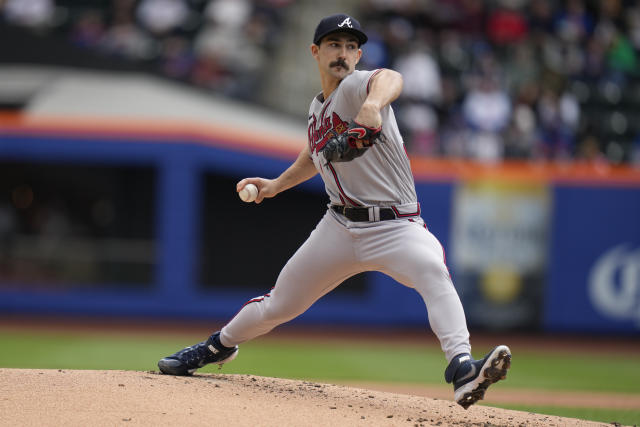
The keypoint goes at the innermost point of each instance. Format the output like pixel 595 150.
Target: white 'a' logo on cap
pixel 347 22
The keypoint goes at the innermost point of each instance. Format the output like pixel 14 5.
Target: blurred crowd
pixel 217 44
pixel 527 79
pixel 484 79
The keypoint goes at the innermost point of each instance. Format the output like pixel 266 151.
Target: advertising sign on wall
pixel 594 276
pixel 499 251
pixel 613 284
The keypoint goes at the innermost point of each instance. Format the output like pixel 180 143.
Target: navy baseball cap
pixel 339 22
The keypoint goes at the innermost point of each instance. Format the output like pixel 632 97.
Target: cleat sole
pixel 496 371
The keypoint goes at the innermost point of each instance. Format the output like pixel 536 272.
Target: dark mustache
pixel 339 62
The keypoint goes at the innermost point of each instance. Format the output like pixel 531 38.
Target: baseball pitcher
pixel 372 222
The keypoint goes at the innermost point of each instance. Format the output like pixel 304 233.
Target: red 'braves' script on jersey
pixel 321 130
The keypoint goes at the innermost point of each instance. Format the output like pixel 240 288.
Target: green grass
pixel 625 417
pixel 334 361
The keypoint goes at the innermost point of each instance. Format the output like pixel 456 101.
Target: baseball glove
pixel 344 147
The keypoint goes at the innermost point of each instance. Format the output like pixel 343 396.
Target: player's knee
pixel 277 311
pixel 433 275
pixel 431 267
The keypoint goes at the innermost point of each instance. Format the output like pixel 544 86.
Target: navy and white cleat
pixel 471 378
pixel 190 359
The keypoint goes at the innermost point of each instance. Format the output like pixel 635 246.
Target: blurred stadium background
pixel 124 126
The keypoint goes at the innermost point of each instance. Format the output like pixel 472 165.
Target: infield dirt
pixel 45 397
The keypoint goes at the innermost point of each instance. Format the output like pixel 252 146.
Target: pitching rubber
pixel 493 370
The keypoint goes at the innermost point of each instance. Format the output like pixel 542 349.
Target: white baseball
pixel 248 193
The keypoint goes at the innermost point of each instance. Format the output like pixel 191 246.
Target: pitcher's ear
pixel 314 48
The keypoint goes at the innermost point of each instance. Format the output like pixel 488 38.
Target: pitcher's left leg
pixel 414 257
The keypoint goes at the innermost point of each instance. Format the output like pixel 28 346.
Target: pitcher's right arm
pixel 301 170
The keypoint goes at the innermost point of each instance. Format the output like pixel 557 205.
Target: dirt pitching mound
pixel 44 397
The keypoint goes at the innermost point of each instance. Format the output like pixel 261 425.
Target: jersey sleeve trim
pixel 371 77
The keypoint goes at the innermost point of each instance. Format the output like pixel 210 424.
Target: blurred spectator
pixel 621 56
pixel 88 30
pixel 229 48
pixel 470 17
pixel 594 63
pixel 573 23
pixel 124 37
pixel 421 94
pixel 507 25
pixel 523 70
pixel 522 134
pixel 454 55
pixel 632 16
pixel 375 52
pixel 162 16
pixel 589 150
pixel 229 15
pixel 487 110
pixel 176 58
pixel 540 17
pixel 558 119
pixel 30 13
pixel 421 74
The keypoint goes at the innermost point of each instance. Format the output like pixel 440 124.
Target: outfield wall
pixel 530 246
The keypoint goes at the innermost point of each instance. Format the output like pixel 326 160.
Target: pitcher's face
pixel 337 54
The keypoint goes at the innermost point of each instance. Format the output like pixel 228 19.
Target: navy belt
pixel 372 213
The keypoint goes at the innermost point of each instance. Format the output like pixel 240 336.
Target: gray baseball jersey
pixel 338 248
pixel 382 176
